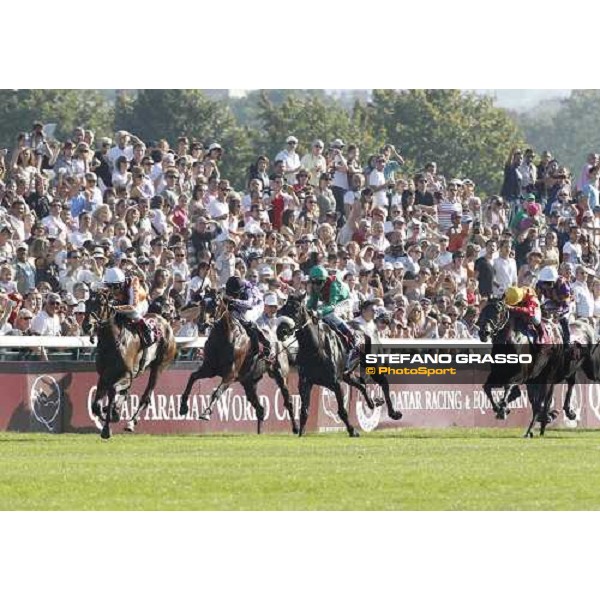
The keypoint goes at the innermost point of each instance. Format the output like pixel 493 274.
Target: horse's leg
pixel 487 388
pixel 122 388
pixel 356 383
pixel 305 388
pixel 547 415
pixel 222 387
pixel 534 400
pixel 342 413
pixel 105 433
pixel 382 381
pixel 285 392
pixel 200 373
pixel 145 399
pixel 569 412
pixel 100 393
pixel 252 397
pixel 513 394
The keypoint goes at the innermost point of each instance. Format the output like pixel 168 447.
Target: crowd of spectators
pixel 420 251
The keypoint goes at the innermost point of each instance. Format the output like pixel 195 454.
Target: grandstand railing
pixel 70 342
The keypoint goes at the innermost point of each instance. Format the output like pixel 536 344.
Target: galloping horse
pixel 229 354
pixel 322 359
pixel 551 364
pixel 120 358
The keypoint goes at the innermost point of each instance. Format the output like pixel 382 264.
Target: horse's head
pixel 97 309
pixel 493 317
pixel 292 315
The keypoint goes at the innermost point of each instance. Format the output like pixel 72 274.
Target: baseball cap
pixel 271 300
pixel 337 143
pixel 266 270
pixel 80 308
pixel 291 138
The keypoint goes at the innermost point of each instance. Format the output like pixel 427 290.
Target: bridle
pixel 503 318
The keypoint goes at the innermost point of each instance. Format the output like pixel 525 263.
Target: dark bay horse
pixel 321 361
pixel 551 363
pixel 120 358
pixel 229 354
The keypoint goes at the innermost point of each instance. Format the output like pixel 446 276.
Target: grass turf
pixel 450 469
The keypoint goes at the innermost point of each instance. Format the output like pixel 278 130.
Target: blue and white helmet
pixel 113 276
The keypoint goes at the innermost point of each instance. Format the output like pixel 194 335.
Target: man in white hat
pixel 314 162
pixel 290 158
pixel 268 320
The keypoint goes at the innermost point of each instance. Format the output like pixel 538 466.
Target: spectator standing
pixel 505 270
pixel 314 162
pixel 290 159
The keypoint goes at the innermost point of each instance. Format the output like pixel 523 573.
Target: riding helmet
pixel 514 295
pixel 114 276
pixel 234 286
pixel 548 274
pixel 318 273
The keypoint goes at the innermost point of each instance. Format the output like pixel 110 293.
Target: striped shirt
pixel 445 210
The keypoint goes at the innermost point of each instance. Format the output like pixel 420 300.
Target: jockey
pixel 330 292
pixel 130 295
pixel 243 297
pixel 524 301
pixel 556 294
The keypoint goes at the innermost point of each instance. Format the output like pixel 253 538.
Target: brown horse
pixel 120 358
pixel 229 354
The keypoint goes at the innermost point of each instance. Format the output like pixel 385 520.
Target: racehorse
pixel 230 354
pixel 322 359
pixel 550 364
pixel 120 358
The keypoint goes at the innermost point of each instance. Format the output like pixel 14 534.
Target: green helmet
pixel 318 273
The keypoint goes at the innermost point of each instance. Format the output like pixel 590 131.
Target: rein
pixel 502 322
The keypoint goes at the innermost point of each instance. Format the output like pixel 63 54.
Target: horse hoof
pixel 554 414
pixel 204 417
pixel 184 409
pixel 354 433
pixel 395 414
pixel 571 415
pixel 501 415
pixel 105 433
pixel 130 428
pixel 379 401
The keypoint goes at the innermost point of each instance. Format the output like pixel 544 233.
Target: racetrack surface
pixel 448 469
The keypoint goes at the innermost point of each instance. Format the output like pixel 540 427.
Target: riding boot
pixel 267 351
pixel 353 352
pixel 145 333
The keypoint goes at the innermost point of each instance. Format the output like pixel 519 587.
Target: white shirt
pixel 574 252
pixel 584 299
pixel 505 274
pixel 291 161
pixel 115 152
pixel 377 178
pixel 44 324
pixel 216 208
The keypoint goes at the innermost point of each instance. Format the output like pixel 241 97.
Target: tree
pixel 570 132
pixel 310 117
pixel 464 133
pixel 157 114
pixel 67 108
